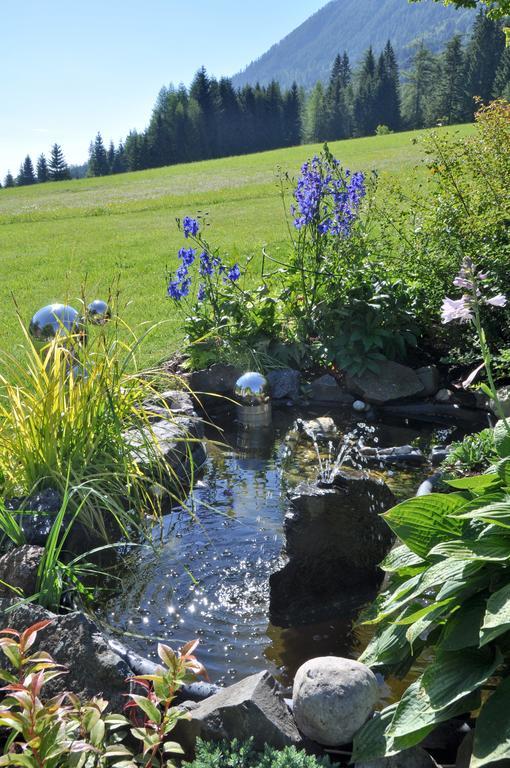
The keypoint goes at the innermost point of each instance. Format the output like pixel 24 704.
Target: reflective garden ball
pixel 55 320
pixel 252 388
pixel 98 312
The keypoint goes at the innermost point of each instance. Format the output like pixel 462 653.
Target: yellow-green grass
pixel 56 237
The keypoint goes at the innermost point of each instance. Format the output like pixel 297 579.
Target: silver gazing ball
pixel 55 320
pixel 98 312
pixel 252 389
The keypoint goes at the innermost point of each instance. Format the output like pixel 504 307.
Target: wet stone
pixel 284 384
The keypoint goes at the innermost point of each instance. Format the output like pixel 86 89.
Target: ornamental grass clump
pixel 65 411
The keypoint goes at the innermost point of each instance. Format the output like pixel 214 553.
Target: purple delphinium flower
pixel 206 265
pixel 187 256
pixel 190 227
pixel 174 290
pixel 201 292
pixel 234 273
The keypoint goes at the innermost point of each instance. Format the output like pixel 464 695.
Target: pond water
pixel 208 575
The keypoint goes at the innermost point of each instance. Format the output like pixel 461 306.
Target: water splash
pixel 348 452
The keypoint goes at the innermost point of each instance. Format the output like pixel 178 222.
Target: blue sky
pixel 73 67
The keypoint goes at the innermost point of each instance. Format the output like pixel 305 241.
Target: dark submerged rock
pixel 18 571
pixel 327 391
pixel 334 542
pixel 284 384
pixel 391 382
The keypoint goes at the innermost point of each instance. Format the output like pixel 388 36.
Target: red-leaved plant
pixel 62 731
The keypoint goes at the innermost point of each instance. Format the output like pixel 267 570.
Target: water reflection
pixel 209 576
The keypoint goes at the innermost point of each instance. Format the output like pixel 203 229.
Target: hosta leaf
pixel 492 733
pixel 402 561
pixel 425 521
pixel 476 483
pixel 497 513
pixel 502 439
pixel 371 741
pixel 423 624
pixel 462 630
pixel 494 548
pixel 434 697
pixel 497 616
pixel 388 647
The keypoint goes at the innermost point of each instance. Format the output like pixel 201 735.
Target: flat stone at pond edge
pixel 410 758
pixel 333 698
pixel 18 569
pixel 251 708
pixel 334 542
pixel 327 390
pixel 392 381
pixel 430 378
pixel 75 641
pixel 219 379
pixel 284 383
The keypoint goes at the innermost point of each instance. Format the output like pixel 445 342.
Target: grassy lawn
pixel 58 237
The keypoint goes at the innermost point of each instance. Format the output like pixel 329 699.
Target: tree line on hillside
pixel 211 119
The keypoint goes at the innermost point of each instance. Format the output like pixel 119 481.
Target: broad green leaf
pixel 502 439
pixel 462 630
pixel 443 686
pixel 497 513
pixel 148 707
pixel 497 616
pixel 371 741
pixel 492 733
pixel 474 578
pixel 493 548
pixel 402 561
pixel 425 521
pixel 388 647
pixel 429 618
pixel 476 483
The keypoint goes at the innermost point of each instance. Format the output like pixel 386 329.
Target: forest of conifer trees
pixel 211 119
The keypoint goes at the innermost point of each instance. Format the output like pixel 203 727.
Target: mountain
pixel 306 54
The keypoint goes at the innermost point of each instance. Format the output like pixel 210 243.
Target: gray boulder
pixel 76 642
pixel 327 390
pixel 18 571
pixel 504 402
pixel 333 698
pixel 391 382
pixel 284 383
pixel 334 542
pixel 219 379
pixel 251 708
pixel 410 758
pixel 430 378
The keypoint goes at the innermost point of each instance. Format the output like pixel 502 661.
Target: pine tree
pixel 26 174
pixel 419 89
pixel 98 159
pixel 450 92
pixel 483 55
pixel 42 169
pixel 120 162
pixel 501 88
pixel 58 170
pixel 9 180
pixel 388 89
pixel 230 136
pixel 111 156
pixel 202 92
pixel 345 71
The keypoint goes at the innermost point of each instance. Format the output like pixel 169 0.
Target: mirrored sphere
pixel 252 389
pixel 54 320
pixel 98 312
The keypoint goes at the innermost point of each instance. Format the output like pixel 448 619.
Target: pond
pixel 208 575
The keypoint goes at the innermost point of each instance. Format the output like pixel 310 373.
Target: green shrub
pixel 236 754
pixel 474 453
pixel 448 595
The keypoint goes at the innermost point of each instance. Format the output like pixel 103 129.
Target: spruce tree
pixel 42 169
pixel 203 93
pixel 58 170
pixel 388 94
pixel 119 163
pixel 501 89
pixel 98 159
pixel 315 125
pixel 292 117
pixel 345 71
pixel 26 174
pixel 365 114
pixel 483 55
pixel 450 92
pixel 419 89
pixel 9 180
pixel 338 118
pixel 111 156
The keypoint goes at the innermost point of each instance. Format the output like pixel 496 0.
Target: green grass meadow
pixel 58 237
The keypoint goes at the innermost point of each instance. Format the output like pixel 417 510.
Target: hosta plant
pixel 63 731
pixel 448 600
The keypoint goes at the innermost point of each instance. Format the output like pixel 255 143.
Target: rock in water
pixel 251 708
pixel 334 542
pixel 391 382
pixel 284 383
pixel 333 698
pixel 18 571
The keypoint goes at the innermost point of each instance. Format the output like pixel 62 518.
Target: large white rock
pixel 332 698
